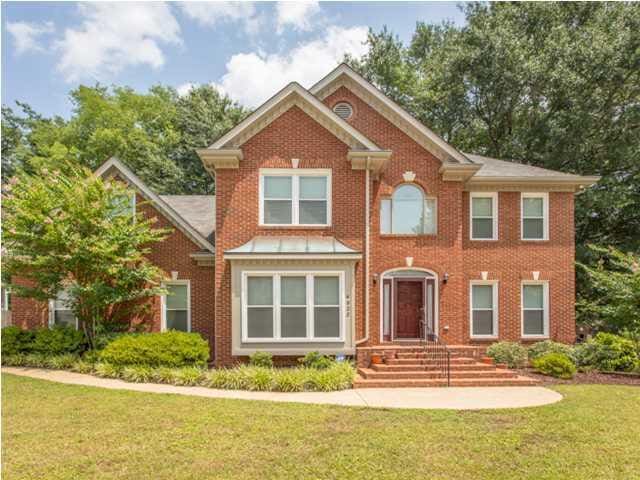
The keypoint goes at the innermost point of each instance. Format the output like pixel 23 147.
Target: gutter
pixel 367 176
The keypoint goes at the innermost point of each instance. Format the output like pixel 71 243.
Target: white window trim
pixel 276 304
pixel 545 212
pixel 494 210
pixel 545 314
pixel 52 313
pixel 295 174
pixel 494 284
pixel 163 304
pixel 6 293
pixel 425 197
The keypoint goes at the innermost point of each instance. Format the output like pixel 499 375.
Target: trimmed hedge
pixel 539 349
pixel 556 365
pixel 46 341
pixel 512 354
pixel 166 349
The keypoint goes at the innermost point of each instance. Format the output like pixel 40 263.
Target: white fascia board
pixel 164 208
pixel 293 88
pixel 344 69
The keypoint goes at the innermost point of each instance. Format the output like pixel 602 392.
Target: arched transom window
pixel 408 212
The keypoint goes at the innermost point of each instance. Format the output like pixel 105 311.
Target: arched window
pixel 408 212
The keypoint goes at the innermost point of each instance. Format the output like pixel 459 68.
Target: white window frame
pixel 494 284
pixel 295 174
pixel 52 314
pixel 494 210
pixel 545 306
pixel 545 213
pixel 276 304
pixel 425 197
pixel 163 304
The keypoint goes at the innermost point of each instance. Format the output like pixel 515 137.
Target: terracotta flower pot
pixel 487 360
pixel 376 359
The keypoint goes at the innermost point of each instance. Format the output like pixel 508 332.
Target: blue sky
pixel 249 50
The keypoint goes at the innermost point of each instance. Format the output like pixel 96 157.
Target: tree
pixel 65 229
pixel 613 300
pixel 154 133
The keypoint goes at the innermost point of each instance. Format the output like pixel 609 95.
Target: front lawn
pixel 57 431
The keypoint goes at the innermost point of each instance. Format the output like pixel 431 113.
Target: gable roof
pixel 199 211
pixel 344 75
pixel 273 108
pixel 114 165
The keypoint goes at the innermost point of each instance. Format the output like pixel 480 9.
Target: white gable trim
pixel 322 89
pixel 113 164
pixel 227 140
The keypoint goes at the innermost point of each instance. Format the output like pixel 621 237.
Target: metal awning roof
pixel 293 247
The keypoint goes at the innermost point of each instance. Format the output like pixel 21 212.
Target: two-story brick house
pixel 342 224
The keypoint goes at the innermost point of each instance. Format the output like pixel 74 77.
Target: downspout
pixel 366 253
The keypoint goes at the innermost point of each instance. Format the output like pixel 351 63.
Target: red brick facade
pixel 450 252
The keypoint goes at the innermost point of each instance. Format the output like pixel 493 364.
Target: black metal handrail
pixel 437 351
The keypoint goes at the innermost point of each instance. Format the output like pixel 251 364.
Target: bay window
pixel 292 306
pixel 295 197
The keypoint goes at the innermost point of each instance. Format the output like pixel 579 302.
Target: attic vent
pixel 343 110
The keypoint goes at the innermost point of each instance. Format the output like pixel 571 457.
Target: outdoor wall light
pixel 445 278
pixel 375 278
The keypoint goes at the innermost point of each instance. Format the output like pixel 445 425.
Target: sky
pixel 249 50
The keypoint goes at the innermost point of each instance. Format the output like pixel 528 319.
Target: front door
pixel 409 303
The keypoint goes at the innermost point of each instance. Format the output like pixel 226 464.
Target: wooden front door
pixel 409 309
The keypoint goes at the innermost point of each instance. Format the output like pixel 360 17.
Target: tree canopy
pixel 154 133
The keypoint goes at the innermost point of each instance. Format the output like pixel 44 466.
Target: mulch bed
pixel 584 378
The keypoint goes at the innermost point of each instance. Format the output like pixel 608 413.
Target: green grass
pixel 55 431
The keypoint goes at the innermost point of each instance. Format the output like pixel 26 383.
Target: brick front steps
pixel 413 368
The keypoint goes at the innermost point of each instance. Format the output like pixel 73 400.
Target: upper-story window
pixel 535 216
pixel 295 197
pixel 123 205
pixel 484 216
pixel 408 212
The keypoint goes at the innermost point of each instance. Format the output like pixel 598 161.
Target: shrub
pixel 170 349
pixel 61 362
pixel 556 365
pixel 223 378
pixel 261 359
pixel 163 375
pixel 35 360
pixel 188 376
pixel 540 349
pixel 106 370
pixel 137 374
pixel 15 340
pixel 512 354
pixel 337 377
pixel 81 366
pixel 58 340
pixel 607 352
pixel 316 360
pixel 290 380
pixel 16 360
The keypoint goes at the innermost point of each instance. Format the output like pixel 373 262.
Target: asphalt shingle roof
pixel 199 211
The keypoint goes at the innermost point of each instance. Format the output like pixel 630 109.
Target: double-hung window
pixel 535 309
pixel 292 306
pixel 484 309
pixel 484 216
pixel 60 313
pixel 176 306
pixel 295 197
pixel 535 216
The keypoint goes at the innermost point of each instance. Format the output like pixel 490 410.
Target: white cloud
pixel 251 78
pixel 25 35
pixel 298 15
pixel 185 88
pixel 113 36
pixel 209 14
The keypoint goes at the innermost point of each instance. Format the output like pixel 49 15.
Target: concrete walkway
pixel 456 398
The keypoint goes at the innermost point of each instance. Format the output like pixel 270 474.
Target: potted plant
pixel 376 359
